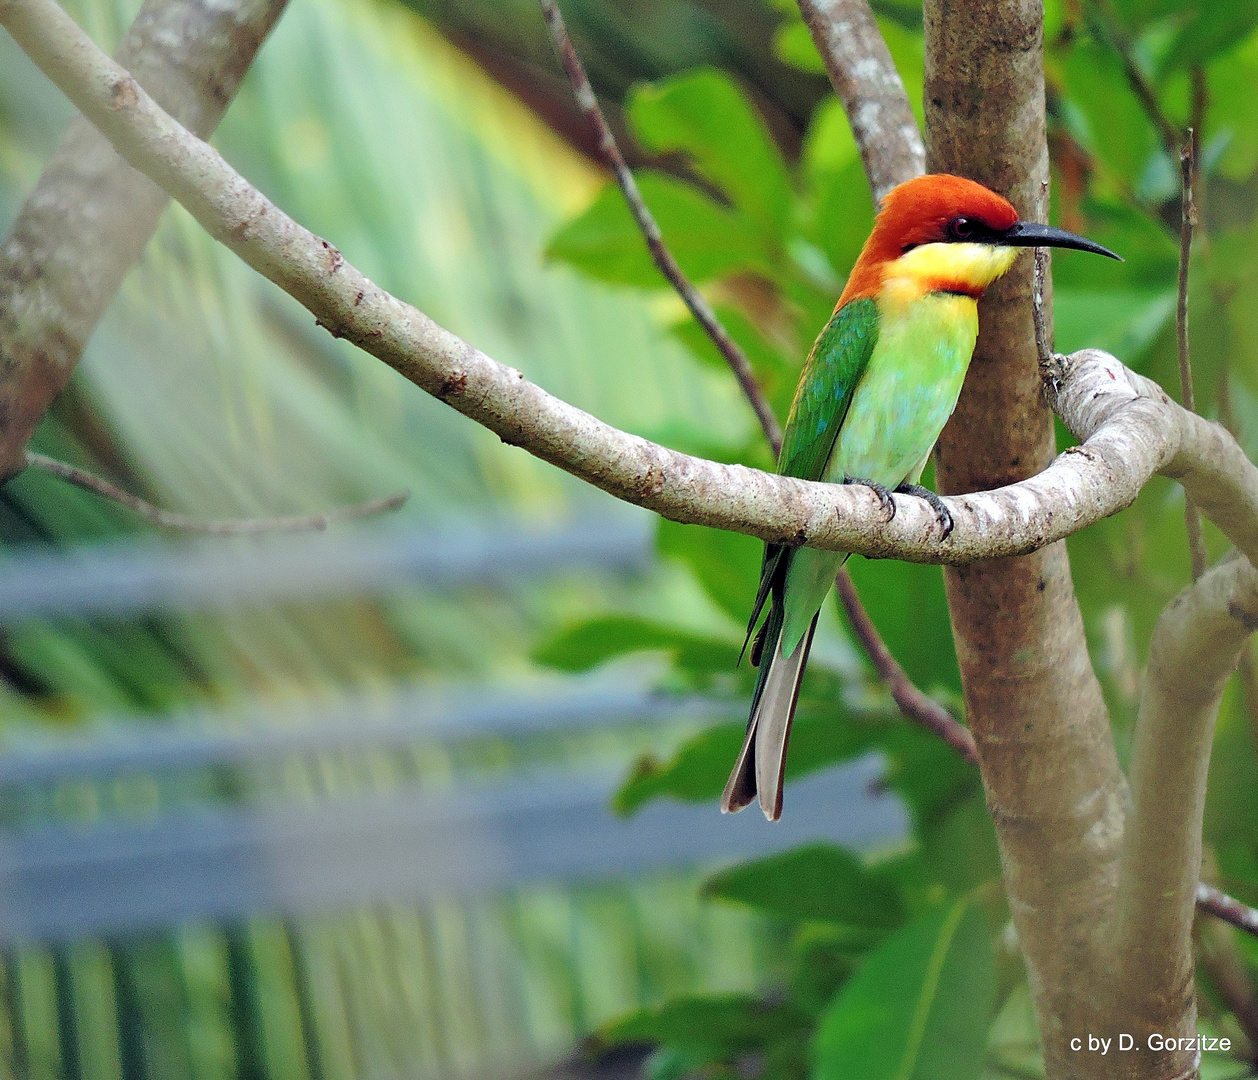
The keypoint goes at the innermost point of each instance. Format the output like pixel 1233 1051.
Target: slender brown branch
pixel 1196 121
pixel 663 258
pixel 170 519
pixel 914 704
pixel 1188 219
pixel 1218 954
pixel 1230 910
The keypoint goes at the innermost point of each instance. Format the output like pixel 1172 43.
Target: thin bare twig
pixel 1196 121
pixel 1218 954
pixel 169 519
pixel 663 258
pixel 914 704
pixel 1188 219
pixel 1227 908
pixel 1043 346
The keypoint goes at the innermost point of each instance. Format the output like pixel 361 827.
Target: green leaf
pixel 819 881
pixel 1120 321
pixel 919 1006
pixel 698 770
pixel 926 772
pixel 1214 28
pixel 845 216
pixel 706 239
pixel 1106 117
pixel 793 45
pixel 590 643
pixel 829 145
pixel 705 115
pixel 726 564
pixel 907 604
pixel 1233 110
pixel 722 1024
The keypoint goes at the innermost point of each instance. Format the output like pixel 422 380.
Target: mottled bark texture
pixel 865 78
pixel 1053 783
pixel 89 217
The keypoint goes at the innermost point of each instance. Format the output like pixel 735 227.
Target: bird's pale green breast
pixel 908 390
pixel 904 396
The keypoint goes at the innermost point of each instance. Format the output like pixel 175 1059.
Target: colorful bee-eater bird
pixel 878 386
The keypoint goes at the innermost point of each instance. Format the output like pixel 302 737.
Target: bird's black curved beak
pixel 1031 234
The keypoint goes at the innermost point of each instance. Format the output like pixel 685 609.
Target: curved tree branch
pixel 864 76
pixel 1130 427
pixel 1194 650
pixel 90 215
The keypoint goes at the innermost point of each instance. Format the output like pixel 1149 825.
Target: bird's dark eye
pixel 961 228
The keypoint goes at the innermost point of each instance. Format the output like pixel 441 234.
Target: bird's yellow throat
pixel 961 268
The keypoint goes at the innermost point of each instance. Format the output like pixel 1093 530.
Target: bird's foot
pixel 883 493
pixel 936 504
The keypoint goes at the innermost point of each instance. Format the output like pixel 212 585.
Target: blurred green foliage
pixel 897 958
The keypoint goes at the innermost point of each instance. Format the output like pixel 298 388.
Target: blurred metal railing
pixel 124 578
pixel 334 852
pixel 61 882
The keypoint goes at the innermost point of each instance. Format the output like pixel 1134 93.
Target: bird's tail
pixel 760 769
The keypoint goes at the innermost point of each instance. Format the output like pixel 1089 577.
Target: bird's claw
pixel 936 504
pixel 883 493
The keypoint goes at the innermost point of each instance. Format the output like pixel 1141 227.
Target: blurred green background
pixel 435 143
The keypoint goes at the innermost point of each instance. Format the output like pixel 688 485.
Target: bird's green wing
pixel 835 365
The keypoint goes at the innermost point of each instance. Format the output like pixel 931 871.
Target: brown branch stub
pixel 662 257
pixel 865 78
pixel 170 519
pixel 1039 274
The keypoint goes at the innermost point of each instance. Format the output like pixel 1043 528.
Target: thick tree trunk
pixel 1053 784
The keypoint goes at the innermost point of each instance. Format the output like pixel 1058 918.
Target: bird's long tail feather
pixel 760 769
